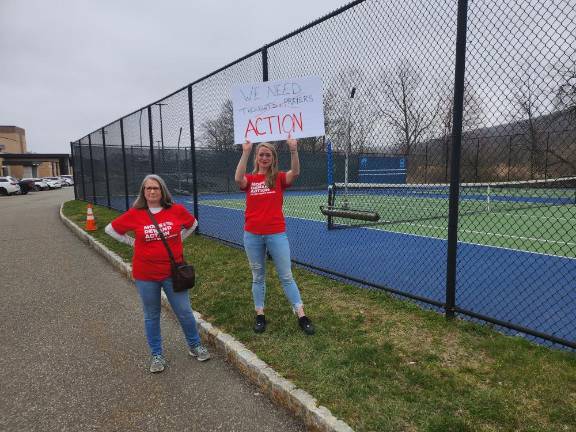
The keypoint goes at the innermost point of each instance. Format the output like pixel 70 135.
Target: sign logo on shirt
pixel 151 234
pixel 260 188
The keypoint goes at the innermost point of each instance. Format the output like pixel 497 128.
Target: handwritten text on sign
pixel 271 110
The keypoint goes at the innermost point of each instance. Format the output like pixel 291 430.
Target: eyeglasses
pixel 152 188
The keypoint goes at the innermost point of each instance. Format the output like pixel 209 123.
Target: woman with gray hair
pixel 151 265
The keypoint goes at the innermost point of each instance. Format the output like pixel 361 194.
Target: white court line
pixel 443 239
pixel 537 217
pixel 495 234
pixel 480 244
pixel 293 217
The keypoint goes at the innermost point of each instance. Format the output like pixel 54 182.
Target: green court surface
pixel 533 226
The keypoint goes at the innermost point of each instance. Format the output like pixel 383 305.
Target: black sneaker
pixel 260 324
pixel 306 325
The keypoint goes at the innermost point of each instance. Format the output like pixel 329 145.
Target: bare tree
pixel 472 114
pixel 404 105
pixel 218 133
pixel 565 102
pixel 531 100
pixel 471 120
pixel 565 97
pixel 528 98
pixel 348 119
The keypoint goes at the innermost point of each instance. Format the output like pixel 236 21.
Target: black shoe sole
pixel 308 331
pixel 259 329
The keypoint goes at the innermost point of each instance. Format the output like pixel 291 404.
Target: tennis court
pixel 513 257
pixel 524 218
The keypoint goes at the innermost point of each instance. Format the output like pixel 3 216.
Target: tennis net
pixel 412 202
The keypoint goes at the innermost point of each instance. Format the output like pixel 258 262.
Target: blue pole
pixel 329 163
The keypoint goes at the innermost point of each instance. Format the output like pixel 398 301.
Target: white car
pixel 39 184
pixel 53 182
pixel 68 179
pixel 8 186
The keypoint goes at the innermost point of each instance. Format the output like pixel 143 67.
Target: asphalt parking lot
pixel 74 355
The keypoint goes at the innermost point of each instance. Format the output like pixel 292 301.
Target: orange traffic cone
pixel 90 221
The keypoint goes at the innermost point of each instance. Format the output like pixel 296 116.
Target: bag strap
pixel 172 260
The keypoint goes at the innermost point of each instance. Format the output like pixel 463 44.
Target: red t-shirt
pixel 151 260
pixel 263 205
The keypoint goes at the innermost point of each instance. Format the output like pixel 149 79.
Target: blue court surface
pixel 524 288
pixel 529 289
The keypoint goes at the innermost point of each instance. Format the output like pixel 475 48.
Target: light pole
pixel 160 105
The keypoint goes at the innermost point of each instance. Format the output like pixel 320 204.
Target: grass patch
pixel 379 363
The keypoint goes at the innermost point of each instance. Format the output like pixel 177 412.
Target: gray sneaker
pixel 200 352
pixel 157 363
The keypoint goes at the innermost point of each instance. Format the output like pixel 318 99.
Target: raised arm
pixel 294 161
pixel 240 175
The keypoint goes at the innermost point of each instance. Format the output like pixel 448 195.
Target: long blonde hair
pixel 273 170
pixel 165 201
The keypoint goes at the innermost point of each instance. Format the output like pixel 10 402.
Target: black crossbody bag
pixel 183 274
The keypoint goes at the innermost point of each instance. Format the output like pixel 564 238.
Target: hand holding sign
pixel 268 111
pixel 247 146
pixel 292 144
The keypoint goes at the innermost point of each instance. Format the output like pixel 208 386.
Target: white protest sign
pixel 269 111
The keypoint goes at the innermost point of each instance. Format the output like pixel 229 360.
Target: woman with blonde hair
pixel 151 265
pixel 265 227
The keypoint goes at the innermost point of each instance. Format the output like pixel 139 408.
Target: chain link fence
pixel 449 172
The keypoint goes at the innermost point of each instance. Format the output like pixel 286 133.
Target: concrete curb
pixel 280 390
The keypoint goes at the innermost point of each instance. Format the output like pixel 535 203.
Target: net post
pixel 330 180
pixel 329 163
pixel 330 204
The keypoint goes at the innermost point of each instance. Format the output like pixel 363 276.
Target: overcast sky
pixel 69 67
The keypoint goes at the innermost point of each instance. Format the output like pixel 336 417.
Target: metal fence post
pixel 546 157
pixel 426 163
pixel 106 167
pixel 447 161
pixel 477 159
pixel 193 153
pixel 509 156
pixel 124 164
pixel 92 169
pixel 74 171
pixel 151 139
pixel 265 63
pixel 82 170
pixel 455 160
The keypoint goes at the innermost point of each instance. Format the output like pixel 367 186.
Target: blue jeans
pixel 278 247
pixel 180 302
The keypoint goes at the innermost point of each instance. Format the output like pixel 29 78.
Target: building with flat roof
pixel 12 140
pixel 15 160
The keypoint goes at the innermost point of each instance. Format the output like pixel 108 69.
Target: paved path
pixel 73 351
